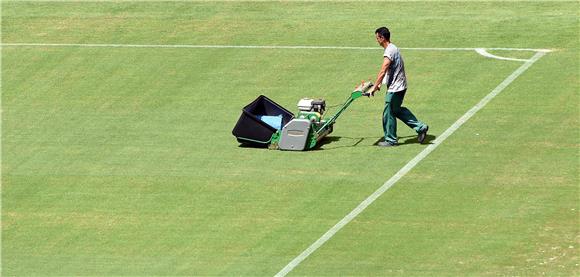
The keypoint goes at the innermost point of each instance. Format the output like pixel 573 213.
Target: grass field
pixel 120 161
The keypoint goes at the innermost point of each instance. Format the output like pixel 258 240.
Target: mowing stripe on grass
pixel 257 1
pixel 410 165
pixel 377 48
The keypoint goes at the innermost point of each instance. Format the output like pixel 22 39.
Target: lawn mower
pixel 264 123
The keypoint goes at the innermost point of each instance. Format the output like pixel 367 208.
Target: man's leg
pixel 407 116
pixel 389 119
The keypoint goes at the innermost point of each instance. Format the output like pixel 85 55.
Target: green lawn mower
pixel 264 123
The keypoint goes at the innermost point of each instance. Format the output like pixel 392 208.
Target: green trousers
pixel 392 111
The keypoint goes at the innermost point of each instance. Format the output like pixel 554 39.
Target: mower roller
pixel 263 118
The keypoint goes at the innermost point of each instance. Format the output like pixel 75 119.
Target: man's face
pixel 380 39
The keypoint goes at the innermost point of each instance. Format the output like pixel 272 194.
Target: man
pixel 392 74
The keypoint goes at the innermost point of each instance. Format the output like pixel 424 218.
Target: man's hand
pixel 376 87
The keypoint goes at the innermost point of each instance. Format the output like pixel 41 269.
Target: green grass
pixel 120 161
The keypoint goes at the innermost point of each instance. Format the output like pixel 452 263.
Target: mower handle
pixel 365 88
pixel 361 90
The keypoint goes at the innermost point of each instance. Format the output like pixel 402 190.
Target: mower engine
pixel 302 132
pixel 312 105
pixel 311 109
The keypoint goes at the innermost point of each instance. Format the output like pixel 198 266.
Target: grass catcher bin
pixel 258 123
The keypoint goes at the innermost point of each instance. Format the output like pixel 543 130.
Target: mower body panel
pixel 295 135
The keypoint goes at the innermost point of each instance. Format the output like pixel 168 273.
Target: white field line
pixel 257 47
pixel 410 165
pixel 484 53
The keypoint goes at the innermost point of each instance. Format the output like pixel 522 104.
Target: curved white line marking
pixel 483 52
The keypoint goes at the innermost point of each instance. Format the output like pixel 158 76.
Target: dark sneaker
pixel 422 134
pixel 386 144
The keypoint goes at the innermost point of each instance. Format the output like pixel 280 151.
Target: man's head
pixel 383 36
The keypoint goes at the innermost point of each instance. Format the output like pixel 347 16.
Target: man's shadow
pixel 411 140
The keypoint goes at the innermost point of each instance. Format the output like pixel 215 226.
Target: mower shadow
pixel 331 139
pixel 357 141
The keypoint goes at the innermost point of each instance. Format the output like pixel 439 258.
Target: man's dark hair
pixel 384 32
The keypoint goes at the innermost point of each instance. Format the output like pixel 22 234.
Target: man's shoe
pixel 386 144
pixel 423 134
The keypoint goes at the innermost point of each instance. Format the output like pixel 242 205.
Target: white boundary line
pixel 410 165
pixel 484 53
pixel 258 47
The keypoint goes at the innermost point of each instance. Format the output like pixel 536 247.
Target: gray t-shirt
pixel 395 78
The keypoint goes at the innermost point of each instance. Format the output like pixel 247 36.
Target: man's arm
pixel 381 75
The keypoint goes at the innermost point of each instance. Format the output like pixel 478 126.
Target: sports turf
pixel 120 161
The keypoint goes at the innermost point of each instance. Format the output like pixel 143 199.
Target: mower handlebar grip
pixel 364 88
